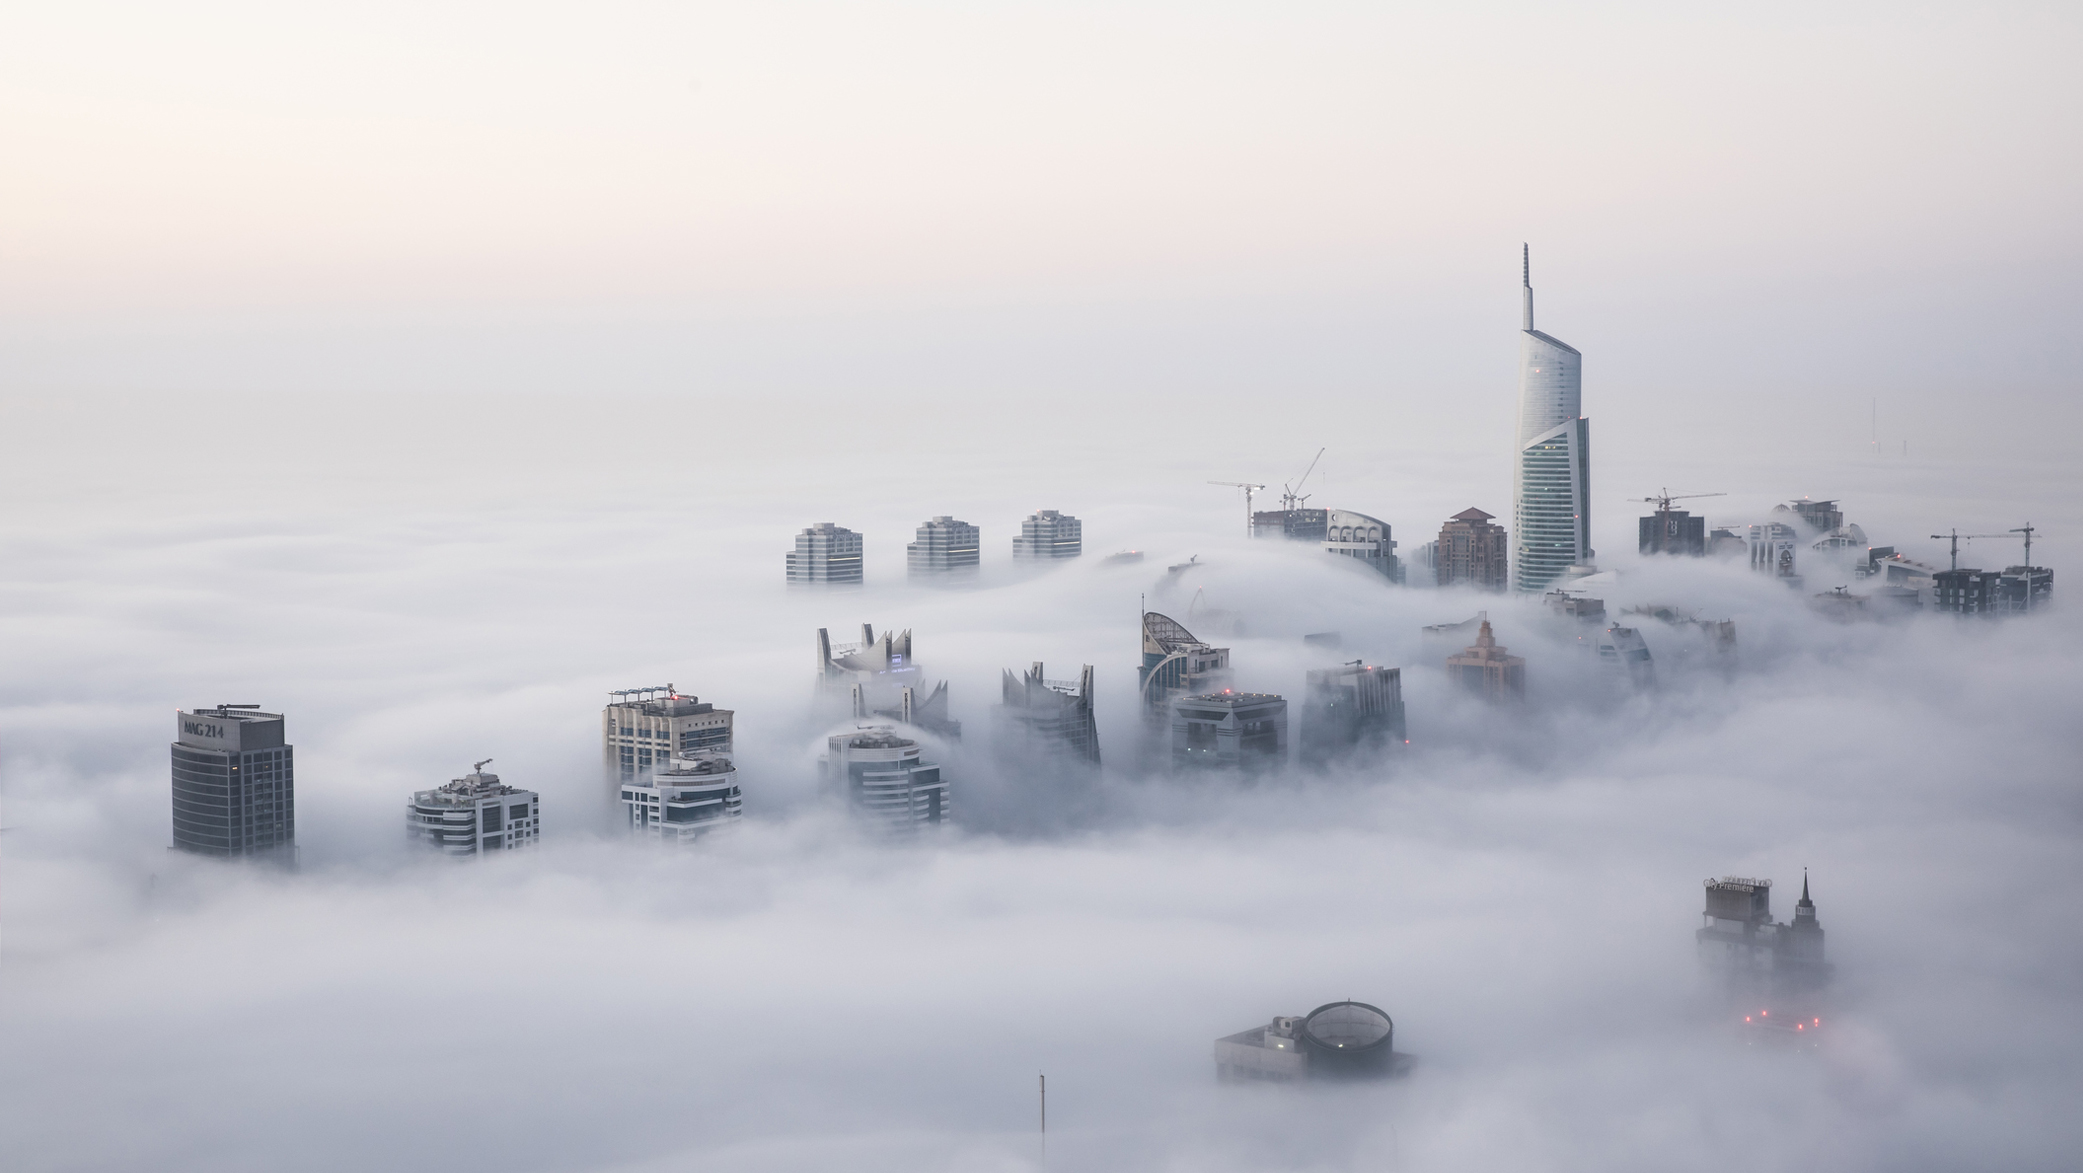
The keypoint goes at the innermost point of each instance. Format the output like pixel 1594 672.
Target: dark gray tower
pixel 234 783
pixel 1801 949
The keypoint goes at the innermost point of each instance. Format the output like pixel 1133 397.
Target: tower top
pixel 1526 283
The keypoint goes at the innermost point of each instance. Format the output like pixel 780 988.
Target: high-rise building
pixel 2024 588
pixel 1229 730
pixel 1356 535
pixel 684 799
pixel 1471 552
pixel 885 781
pixel 644 728
pixel 1772 550
pixel 1823 517
pixel 475 814
pixel 1674 531
pixel 234 784
pixel 1740 935
pixel 1965 591
pixel 1343 532
pixel 1551 491
pixel 1048 720
pixel 1487 671
pixel 879 678
pixel 825 553
pixel 1175 664
pixel 945 547
pixel 1353 707
pixel 1339 1040
pixel 1049 534
pixel 1625 657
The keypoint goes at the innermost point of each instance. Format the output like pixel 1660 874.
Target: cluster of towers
pixel 946 548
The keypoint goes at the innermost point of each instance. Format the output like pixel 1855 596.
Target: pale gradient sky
pixel 1762 205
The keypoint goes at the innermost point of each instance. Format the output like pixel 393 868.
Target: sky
pixel 425 372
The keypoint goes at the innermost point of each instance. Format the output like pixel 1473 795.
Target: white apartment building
pixel 475 814
pixel 684 800
pixel 885 781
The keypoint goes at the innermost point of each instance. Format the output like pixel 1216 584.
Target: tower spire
pixel 1526 279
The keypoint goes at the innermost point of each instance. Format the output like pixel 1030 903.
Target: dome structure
pixel 1348 1038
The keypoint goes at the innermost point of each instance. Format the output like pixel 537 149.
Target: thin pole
pixel 1045 1118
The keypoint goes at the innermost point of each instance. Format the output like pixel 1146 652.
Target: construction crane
pixel 1663 500
pixel 2027 529
pixel 1249 489
pixel 1288 499
pixel 1957 536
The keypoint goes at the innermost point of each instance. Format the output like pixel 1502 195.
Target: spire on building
pixel 1526 279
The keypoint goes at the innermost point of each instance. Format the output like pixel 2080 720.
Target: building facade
pixel 945 548
pixel 1966 592
pixel 1229 730
pixel 1624 655
pixel 1338 1040
pixel 1048 720
pixel 2024 588
pixel 825 553
pixel 1175 664
pixel 1674 531
pixel 1351 708
pixel 234 784
pixel 642 729
pixel 1049 534
pixel 1771 547
pixel 474 816
pixel 1487 671
pixel 1551 491
pixel 885 781
pixel 1472 551
pixel 881 678
pixel 1355 535
pixel 684 799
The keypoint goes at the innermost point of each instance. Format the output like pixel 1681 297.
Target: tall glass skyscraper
pixel 1551 483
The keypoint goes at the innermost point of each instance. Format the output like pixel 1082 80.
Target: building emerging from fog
pixel 1229 730
pixel 1343 532
pixel 1471 551
pixel 1551 491
pixel 885 781
pixel 1048 720
pixel 1674 531
pixel 1338 1040
pixel 1049 534
pixel 1740 936
pixel 945 548
pixel 474 815
pixel 234 784
pixel 1175 664
pixel 825 553
pixel 684 799
pixel 881 679
pixel 1487 671
pixel 1353 708
pixel 644 728
pixel 1625 657
pixel 1772 550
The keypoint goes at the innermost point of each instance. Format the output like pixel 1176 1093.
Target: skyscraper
pixel 1551 489
pixel 1487 671
pixel 1471 550
pixel 885 780
pixel 944 547
pixel 825 553
pixel 1356 706
pixel 1049 534
pixel 1046 722
pixel 1175 664
pixel 475 814
pixel 644 728
pixel 234 783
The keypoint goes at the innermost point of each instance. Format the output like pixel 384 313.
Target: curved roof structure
pixel 1163 635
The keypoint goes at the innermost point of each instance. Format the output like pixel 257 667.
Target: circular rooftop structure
pixel 1348 1038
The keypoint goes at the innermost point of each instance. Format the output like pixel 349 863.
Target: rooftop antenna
pixel 1045 1119
pixel 1288 499
pixel 1249 489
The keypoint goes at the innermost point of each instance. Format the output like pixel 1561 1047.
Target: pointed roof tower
pixel 1526 281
